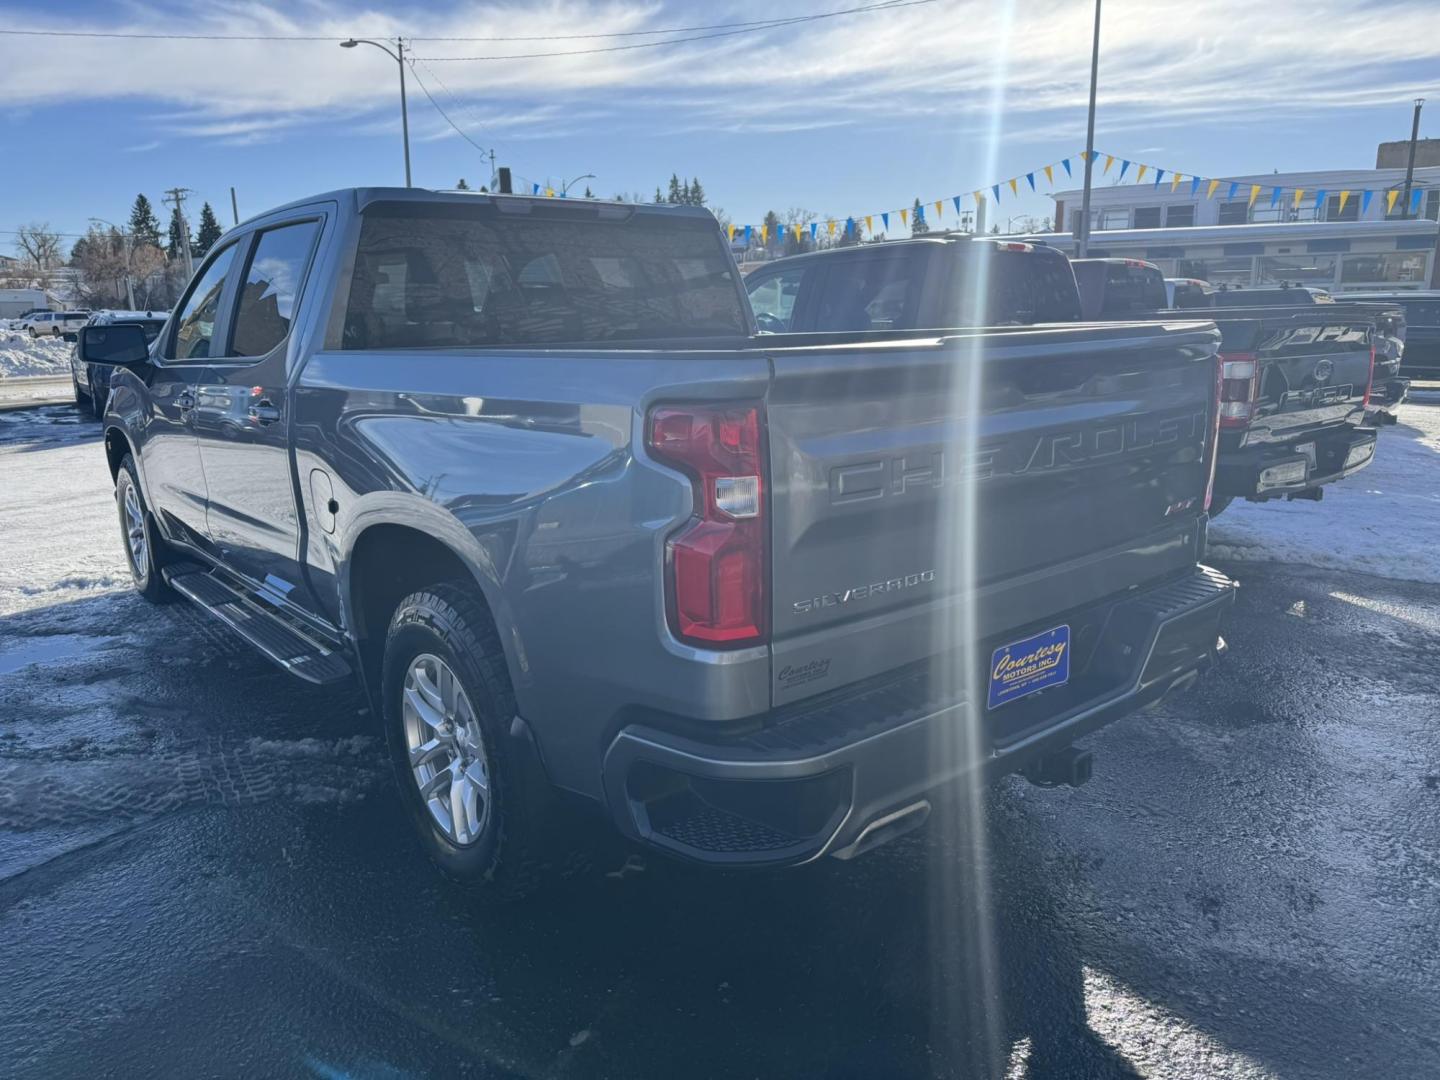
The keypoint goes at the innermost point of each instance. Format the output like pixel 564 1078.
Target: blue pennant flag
pixel 1194 184
pixel 996 189
pixel 1124 167
pixel 956 201
pixel 1234 185
pixel 747 236
pixel 849 226
pixel 814 228
pixel 1415 198
pixel 1066 164
pixel 885 217
pixel 534 189
pixel 1274 196
pixel 1030 178
pixel 919 212
pixel 1320 198
pixel 1158 174
pixel 1365 201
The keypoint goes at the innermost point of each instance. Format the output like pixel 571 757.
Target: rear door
pixel 241 416
pixel 780 297
pixel 1083 449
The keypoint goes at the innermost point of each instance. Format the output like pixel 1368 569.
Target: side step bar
pixel 278 638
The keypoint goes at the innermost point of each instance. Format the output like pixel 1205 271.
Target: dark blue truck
pixel 524 468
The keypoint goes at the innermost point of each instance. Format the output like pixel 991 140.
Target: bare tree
pixel 38 244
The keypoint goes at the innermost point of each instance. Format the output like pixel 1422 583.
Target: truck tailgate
pixel 1028 471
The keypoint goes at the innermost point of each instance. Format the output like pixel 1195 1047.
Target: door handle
pixel 185 401
pixel 264 412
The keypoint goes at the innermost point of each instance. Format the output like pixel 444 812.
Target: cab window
pixel 773 299
pixel 272 282
pixel 195 324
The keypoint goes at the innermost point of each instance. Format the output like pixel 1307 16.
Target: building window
pixel 1221 270
pixel 1180 217
pixel 1432 204
pixel 1234 213
pixel 1114 219
pixel 1147 217
pixel 1268 213
pixel 1298 269
pixel 1334 213
pixel 1390 267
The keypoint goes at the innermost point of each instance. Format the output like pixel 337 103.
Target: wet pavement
pixel 203 871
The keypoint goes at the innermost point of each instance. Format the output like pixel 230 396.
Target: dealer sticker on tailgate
pixel 1023 667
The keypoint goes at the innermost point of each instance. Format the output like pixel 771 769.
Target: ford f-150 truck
pixel 524 467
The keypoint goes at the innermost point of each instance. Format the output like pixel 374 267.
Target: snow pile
pixel 1384 520
pixel 20 354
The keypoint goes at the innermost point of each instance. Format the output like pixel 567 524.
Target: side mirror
pixel 120 345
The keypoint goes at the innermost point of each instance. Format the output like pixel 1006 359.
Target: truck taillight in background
pixel 1212 446
pixel 716 577
pixel 1239 385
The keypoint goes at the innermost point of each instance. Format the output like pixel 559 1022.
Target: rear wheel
pixel 481 814
pixel 145 551
pixel 83 403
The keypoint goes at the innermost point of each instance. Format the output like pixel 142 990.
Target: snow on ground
pixel 1384 520
pixel 20 354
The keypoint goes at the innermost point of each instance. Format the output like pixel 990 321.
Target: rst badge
pixel 1027 666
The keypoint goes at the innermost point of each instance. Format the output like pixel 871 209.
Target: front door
pixel 242 422
pixel 174 479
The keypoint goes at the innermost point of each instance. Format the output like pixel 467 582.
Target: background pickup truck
pixel 1295 381
pixel 522 466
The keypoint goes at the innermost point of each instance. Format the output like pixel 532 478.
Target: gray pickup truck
pixel 525 469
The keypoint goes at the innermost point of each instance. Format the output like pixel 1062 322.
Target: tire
pixel 146 557
pixel 83 403
pixel 507 851
pixel 1218 505
pixel 33 335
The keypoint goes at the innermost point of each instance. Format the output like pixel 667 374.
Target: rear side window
pixel 272 281
pixel 195 325
pixel 453 275
pixel 1132 289
pixel 868 294
pixel 1028 287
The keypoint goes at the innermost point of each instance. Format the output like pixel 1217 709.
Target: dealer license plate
pixel 1029 666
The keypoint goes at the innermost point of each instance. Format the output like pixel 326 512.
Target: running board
pixel 276 637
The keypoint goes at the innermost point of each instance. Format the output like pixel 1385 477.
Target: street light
pixel 125 247
pixel 565 188
pixel 399 58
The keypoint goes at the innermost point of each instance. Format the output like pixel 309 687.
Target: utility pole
pixel 399 57
pixel 234 207
pixel 492 170
pixel 177 194
pixel 1082 241
pixel 1410 166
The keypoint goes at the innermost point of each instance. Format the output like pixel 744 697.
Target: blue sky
pixel 843 116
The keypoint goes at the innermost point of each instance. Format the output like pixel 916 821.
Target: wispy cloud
pixel 1214 60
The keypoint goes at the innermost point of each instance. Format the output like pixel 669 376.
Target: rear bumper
pixel 820 777
pixel 1385 397
pixel 1267 472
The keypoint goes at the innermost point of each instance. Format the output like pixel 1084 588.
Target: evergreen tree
pixel 208 232
pixel 676 195
pixel 773 232
pixel 461 185
pixel 588 193
pixel 175 247
pixel 144 225
pixel 918 224
pixel 697 193
pixel 658 197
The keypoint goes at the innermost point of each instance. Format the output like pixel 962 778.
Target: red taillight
pixel 1370 382
pixel 1212 448
pixel 717 588
pixel 1239 383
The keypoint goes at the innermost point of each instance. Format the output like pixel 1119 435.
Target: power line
pixel 728 28
pixel 446 116
pixel 773 24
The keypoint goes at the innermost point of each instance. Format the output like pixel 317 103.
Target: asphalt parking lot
pixel 203 871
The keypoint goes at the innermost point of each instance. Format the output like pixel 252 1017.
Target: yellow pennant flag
pixel 979 197
pixel 868 227
pixel 904 217
pixel 939 208
pixel 1175 179
pixel 797 233
pixel 1013 189
pixel 1299 194
pixel 764 234
pixel 1344 198
pixel 1050 174
pixel 731 230
pixel 1109 160
pixel 830 227
pixel 550 191
pixel 1390 200
pixel 1141 174
pixel 1254 194
pixel 1210 191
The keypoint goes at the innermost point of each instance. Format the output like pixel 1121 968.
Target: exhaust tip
pixel 886 828
pixel 1069 767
